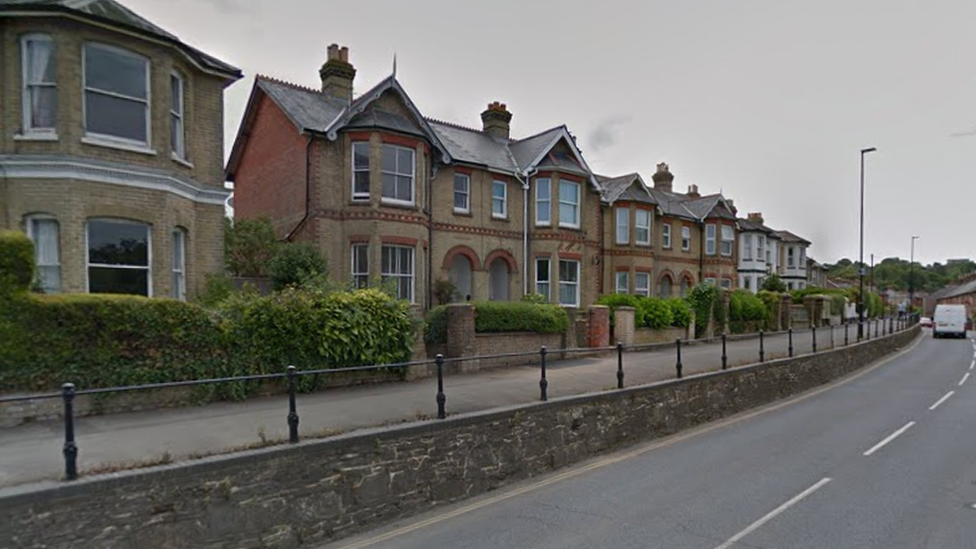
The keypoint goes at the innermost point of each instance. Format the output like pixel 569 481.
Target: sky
pixel 769 102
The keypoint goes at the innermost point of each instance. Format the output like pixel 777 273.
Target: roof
pixel 114 13
pixel 748 225
pixel 528 149
pixel 473 146
pixel 625 187
pixel 967 288
pixel 787 236
pixel 309 109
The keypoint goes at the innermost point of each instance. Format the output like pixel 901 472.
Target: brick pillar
pixel 599 328
pixel 784 311
pixel 723 303
pixel 814 306
pixel 623 325
pixel 460 330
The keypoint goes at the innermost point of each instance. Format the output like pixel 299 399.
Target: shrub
pixel 296 264
pixel 16 262
pixel 534 298
pixel 744 306
pixel 773 283
pixel 517 316
pixel 838 305
pixel 681 313
pixel 618 300
pixel 702 298
pixel 772 301
pixel 435 325
pixel 216 288
pixel 446 291
pixel 653 313
pixel 249 245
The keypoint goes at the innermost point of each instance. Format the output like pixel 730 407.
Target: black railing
pixel 69 392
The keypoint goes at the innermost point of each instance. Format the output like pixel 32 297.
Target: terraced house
pixel 392 196
pixel 111 148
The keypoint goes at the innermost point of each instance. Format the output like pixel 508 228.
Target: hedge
pixel 435 325
pixel 16 262
pixel 519 316
pixel 744 306
pixel 681 313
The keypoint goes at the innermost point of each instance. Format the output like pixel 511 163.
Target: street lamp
pixel 911 278
pixel 860 272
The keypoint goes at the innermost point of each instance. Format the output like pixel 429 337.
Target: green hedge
pixel 681 313
pixel 653 313
pixel 435 325
pixel 16 262
pixel 744 306
pixel 519 316
pixel 703 299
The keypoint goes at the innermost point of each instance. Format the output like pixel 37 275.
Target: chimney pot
pixel 496 120
pixel 344 54
pixel 333 51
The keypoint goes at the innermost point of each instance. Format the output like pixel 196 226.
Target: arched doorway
pixel 665 286
pixel 461 276
pixel 498 280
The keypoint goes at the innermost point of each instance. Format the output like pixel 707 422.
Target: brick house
pixel 111 149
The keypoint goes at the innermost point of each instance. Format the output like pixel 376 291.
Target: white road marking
pixel 972 364
pixel 964 378
pixel 772 514
pixel 941 400
pixel 889 438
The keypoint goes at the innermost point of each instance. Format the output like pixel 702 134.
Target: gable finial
pixel 394 64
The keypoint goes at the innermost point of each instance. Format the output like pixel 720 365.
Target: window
pixel 803 258
pixel 360 170
pixel 569 203
pixel 116 94
pixel 45 233
pixel 665 287
pixel 569 282
pixel 622 282
pixel 666 236
pixel 789 286
pixel 499 199
pixel 760 245
pixel 176 132
pixel 726 282
pixel 642 224
pixel 178 288
pixel 789 257
pixel 686 238
pixel 542 201
pixel 728 240
pixel 710 281
pixel 542 285
pixel 360 265
pixel 623 225
pixel 642 284
pixel 398 171
pixel 118 257
pixel 462 193
pixel 710 239
pixel 746 283
pixel 747 247
pixel 398 268
pixel 40 93
pixel 769 256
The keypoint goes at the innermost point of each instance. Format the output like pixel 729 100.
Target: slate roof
pixel 625 187
pixel 967 288
pixel 749 225
pixel 116 14
pixel 308 109
pixel 527 149
pixel 473 146
pixel 787 236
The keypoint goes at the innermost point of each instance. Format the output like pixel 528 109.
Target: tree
pixel 773 283
pixel 249 245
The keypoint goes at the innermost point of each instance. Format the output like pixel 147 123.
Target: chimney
pixel 496 119
pixel 337 73
pixel 693 191
pixel 663 178
pixel 756 217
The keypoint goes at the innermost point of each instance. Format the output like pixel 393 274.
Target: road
pixel 32 452
pixel 881 460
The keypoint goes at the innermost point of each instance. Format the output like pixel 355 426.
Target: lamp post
pixel 911 278
pixel 860 272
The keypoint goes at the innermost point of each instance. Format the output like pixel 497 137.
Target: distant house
pixel 793 260
pixel 816 274
pixel 758 252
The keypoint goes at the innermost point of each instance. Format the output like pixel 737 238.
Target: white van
pixel 949 320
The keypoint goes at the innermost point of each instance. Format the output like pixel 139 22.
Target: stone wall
pixel 643 336
pixel 321 490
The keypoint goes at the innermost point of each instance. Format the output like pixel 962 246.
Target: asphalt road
pixel 32 452
pixel 882 460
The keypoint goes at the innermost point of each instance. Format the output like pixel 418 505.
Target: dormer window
pixel 116 106
pixel 40 92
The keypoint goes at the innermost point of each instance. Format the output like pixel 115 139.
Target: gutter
pixel 308 188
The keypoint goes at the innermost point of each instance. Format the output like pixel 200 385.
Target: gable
pixel 387 112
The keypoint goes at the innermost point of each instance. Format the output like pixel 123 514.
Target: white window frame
pixel 574 205
pixel 685 238
pixel 547 294
pixel 621 282
pixel 726 283
pixel 503 198
pixel 398 173
pixel 644 228
pixel 645 288
pixel 728 243
pixel 466 192
pixel 178 289
pixel 576 284
pixel 747 283
pixel 666 236
pixel 760 248
pixel 359 195
pixel 543 182
pixel 149 253
pixel 112 139
pixel 353 268
pixel 411 276
pixel 179 148
pixel 710 234
pixel 29 222
pixel 747 247
pixel 710 280
pixel 622 224
pixel 790 257
pixel 27 106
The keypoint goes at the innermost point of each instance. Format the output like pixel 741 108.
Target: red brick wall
pixel 270 180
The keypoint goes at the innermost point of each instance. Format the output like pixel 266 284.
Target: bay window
pixel 569 279
pixel 119 257
pixel 542 201
pixel 642 227
pixel 542 278
pixel 178 286
pixel 569 204
pixel 360 170
pixel 360 265
pixel 728 240
pixel 176 115
pixel 40 89
pixel 398 172
pixel 710 239
pixel 44 231
pixel 747 247
pixel 623 225
pixel 116 84
pixel 398 268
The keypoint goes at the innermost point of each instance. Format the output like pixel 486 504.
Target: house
pixel 793 260
pixel 111 148
pixel 758 251
pixel 816 274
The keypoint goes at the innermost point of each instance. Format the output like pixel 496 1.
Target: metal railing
pixel 69 391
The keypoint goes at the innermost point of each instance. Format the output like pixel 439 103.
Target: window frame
pixel 710 245
pixel 548 281
pixel 547 201
pixel 355 274
pixel 359 196
pixel 790 258
pixel 397 174
pixel 646 227
pixel 467 193
pixel 575 284
pixel 646 291
pixel 181 152
pixel 730 241
pixel 504 199
pixel 178 286
pixel 618 277
pixel 747 247
pixel 617 219
pixel 384 277
pixel 576 205
pixel 726 283
pixel 666 236
pixel 27 126
pixel 149 253
pixel 86 89
pixel 685 238
pixel 761 248
pixel 30 230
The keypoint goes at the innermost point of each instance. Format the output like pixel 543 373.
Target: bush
pixel 838 305
pixel 446 291
pixel 435 325
pixel 534 298
pixel 681 313
pixel 773 283
pixel 772 301
pixel 296 264
pixel 249 245
pixel 16 262
pixel 703 299
pixel 216 288
pixel 517 316
pixel 618 300
pixel 744 306
pixel 653 313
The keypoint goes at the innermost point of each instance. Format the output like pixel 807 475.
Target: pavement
pixel 32 452
pixel 882 459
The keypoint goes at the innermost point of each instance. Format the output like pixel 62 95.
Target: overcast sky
pixel 768 101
